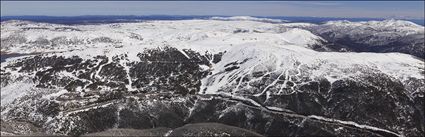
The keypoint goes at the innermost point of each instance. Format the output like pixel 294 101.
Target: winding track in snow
pixel 226 96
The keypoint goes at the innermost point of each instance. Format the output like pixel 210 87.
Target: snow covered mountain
pixel 372 36
pixel 29 37
pixel 249 18
pixel 265 77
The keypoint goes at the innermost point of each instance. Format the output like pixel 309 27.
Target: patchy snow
pixel 14 91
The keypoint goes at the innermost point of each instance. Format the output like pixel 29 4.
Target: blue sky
pixel 228 8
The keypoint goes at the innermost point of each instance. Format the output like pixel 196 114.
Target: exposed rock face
pixel 271 88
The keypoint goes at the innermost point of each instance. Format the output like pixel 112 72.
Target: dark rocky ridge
pixel 211 129
pixel 97 98
pixel 157 132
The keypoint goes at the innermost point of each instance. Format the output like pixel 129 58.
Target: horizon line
pixel 418 18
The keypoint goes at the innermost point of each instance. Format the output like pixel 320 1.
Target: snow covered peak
pixel 395 23
pixel 248 18
pixel 387 22
pixel 302 37
pixel 338 22
pixel 390 24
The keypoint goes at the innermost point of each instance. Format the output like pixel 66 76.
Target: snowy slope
pixel 27 37
pixel 291 61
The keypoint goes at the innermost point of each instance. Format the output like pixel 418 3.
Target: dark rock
pixel 157 132
pixel 212 129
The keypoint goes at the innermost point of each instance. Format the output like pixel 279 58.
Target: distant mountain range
pixel 129 18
